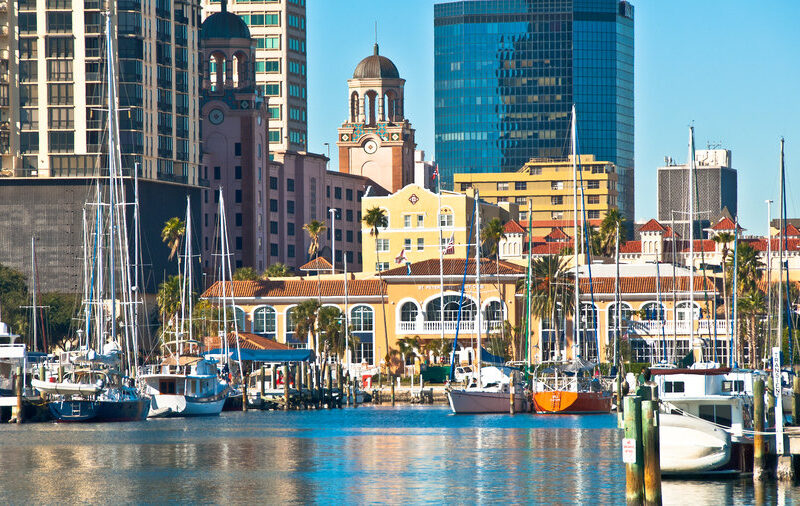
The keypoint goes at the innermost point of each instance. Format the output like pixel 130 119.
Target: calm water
pixel 364 455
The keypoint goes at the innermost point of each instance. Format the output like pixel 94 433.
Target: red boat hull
pixel 562 401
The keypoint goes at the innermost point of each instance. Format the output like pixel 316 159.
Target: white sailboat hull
pixel 170 405
pixel 689 445
pixel 484 400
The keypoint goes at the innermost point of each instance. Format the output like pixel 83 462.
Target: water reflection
pixel 363 455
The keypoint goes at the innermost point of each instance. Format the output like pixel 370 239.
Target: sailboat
pixel 98 388
pixel 492 388
pixel 184 383
pixel 562 390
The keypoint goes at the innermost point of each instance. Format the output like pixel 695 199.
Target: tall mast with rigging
pixel 577 325
pixel 690 164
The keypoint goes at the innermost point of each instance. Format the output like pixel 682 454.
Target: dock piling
pixel 796 401
pixel 19 394
pixel 769 408
pixel 286 387
pixel 510 394
pixel 758 429
pixel 633 451
pixel 652 457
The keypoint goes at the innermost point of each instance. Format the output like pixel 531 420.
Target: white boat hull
pixel 480 400
pixel 170 405
pixel 689 445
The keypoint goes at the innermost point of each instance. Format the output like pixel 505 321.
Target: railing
pixel 450 327
pixel 653 327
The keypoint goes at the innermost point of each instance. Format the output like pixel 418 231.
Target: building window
pixel 59 94
pixel 328 191
pixel 349 236
pixel 273 183
pixel 264 320
pixel 557 215
pixel 557 185
pixel 593 214
pixel 520 185
pixel 337 193
pixel 338 234
pixel 348 193
pixel 273 205
pixel 382 245
pixel 593 184
pixel 523 201
pixel 237 171
pixel 420 244
pixel 290 251
pixel 238 219
pixel 290 184
pixel 290 206
pixel 238 196
pixel 290 229
pixel 407 244
pixel 273 249
pixel 349 214
pixel 593 199
pixel 446 220
pixel 420 220
pixel 556 200
pixel 407 221
pixel 62 142
pixel 238 243
pixel 502 199
pixel 273 227
pixel 501 187
pixel 381 266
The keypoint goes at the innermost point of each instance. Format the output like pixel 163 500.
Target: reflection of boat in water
pixel 492 395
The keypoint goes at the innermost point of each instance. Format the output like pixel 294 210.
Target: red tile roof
pixel 791 231
pixel 631 247
pixel 551 248
pixel 671 233
pixel 760 244
pixel 652 226
pixel 297 288
pixel 455 267
pixel 317 264
pixel 704 245
pixel 512 227
pixel 726 224
pixel 555 223
pixel 645 284
pixel 556 235
pixel 247 341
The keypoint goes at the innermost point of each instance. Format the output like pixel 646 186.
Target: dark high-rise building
pixel 508 71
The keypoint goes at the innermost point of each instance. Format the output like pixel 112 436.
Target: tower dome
pixel 224 25
pixel 376 66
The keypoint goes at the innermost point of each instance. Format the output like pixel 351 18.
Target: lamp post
pixel 328 147
pixel 332 212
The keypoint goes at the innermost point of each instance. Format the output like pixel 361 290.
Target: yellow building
pixel 547 184
pixel 414 217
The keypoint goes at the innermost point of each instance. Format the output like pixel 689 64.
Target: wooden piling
pixel 339 384
pixel 19 378
pixel 758 428
pixel 286 387
pixel 510 394
pixel 634 471
pixel 244 395
pixel 796 401
pixel 652 457
pixel 298 383
pixel 769 408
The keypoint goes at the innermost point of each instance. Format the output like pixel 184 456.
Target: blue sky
pixel 729 67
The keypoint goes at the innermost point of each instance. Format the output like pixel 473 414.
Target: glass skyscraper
pixel 508 71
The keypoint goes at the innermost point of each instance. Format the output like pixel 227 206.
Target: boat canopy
pixel 298 355
pixel 488 358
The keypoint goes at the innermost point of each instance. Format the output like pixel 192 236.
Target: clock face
pixel 216 116
pixel 371 146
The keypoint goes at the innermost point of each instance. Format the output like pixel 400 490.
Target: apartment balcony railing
pixel 701 327
pixel 450 327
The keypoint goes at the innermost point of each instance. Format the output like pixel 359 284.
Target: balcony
pixel 670 327
pixel 450 327
pixel 163 176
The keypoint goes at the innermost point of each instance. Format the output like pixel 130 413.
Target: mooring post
pixel 19 394
pixel 286 386
pixel 652 462
pixel 770 402
pixel 796 401
pixel 339 384
pixel 758 429
pixel 244 395
pixel 60 373
pixel 510 394
pixel 632 451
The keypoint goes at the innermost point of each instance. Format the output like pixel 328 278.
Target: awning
pixel 300 355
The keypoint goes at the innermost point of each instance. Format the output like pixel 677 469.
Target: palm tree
pixel 172 234
pixel 408 346
pixel 724 238
pixel 608 231
pixel 551 290
pixel 751 306
pixel 376 219
pixel 748 272
pixel 305 317
pixel 315 229
pixel 277 270
pixel 168 298
pixel 245 274
pixel 494 232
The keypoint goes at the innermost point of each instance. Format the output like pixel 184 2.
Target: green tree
pixel 278 270
pixel 62 309
pixel 172 234
pixel 608 232
pixel 750 301
pixel 245 274
pixel 408 346
pixel 168 298
pixel 315 229
pixel 551 289
pixel 376 219
pixel 13 295
pixel 724 238
pixel 751 307
pixel 493 232
pixel 207 318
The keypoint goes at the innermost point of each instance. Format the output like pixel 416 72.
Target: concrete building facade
pixel 279 30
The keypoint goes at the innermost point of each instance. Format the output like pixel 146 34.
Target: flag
pixel 450 245
pixel 435 173
pixel 401 257
pixel 408 268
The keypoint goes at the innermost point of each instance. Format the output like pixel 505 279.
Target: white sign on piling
pixel 629 450
pixel 776 382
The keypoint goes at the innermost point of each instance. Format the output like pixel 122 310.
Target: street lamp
pixel 332 212
pixel 328 161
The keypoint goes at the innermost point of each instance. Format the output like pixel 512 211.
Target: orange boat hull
pixel 562 401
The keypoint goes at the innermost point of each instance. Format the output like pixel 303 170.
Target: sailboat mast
pixel 112 141
pixel 441 257
pixel 782 227
pixel 617 310
pixel 229 272
pixel 224 333
pixel 33 277
pixel 577 319
pixel 769 276
pixel 690 163
pixel 189 257
pixel 478 281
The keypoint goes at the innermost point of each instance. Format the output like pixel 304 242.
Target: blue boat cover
pixel 488 358
pixel 300 355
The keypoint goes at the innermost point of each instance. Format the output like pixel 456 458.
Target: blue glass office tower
pixel 508 71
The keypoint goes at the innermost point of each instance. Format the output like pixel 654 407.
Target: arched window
pixel 588 332
pixel 468 309
pixel 409 312
pixel 239 68
pixel 685 312
pixel 362 321
pixel 216 71
pixel 370 105
pixel 354 107
pixel 625 312
pixel 588 316
pixel 446 217
pixel 289 331
pixel 390 106
pixel 652 311
pixel 264 320
pixel 493 312
pixel 241 318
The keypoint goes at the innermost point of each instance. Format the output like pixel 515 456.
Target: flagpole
pixel 441 253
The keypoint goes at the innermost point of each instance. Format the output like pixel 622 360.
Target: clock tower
pixel 377 141
pixel 235 142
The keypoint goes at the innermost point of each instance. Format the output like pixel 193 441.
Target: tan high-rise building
pixel 279 29
pixel 547 185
